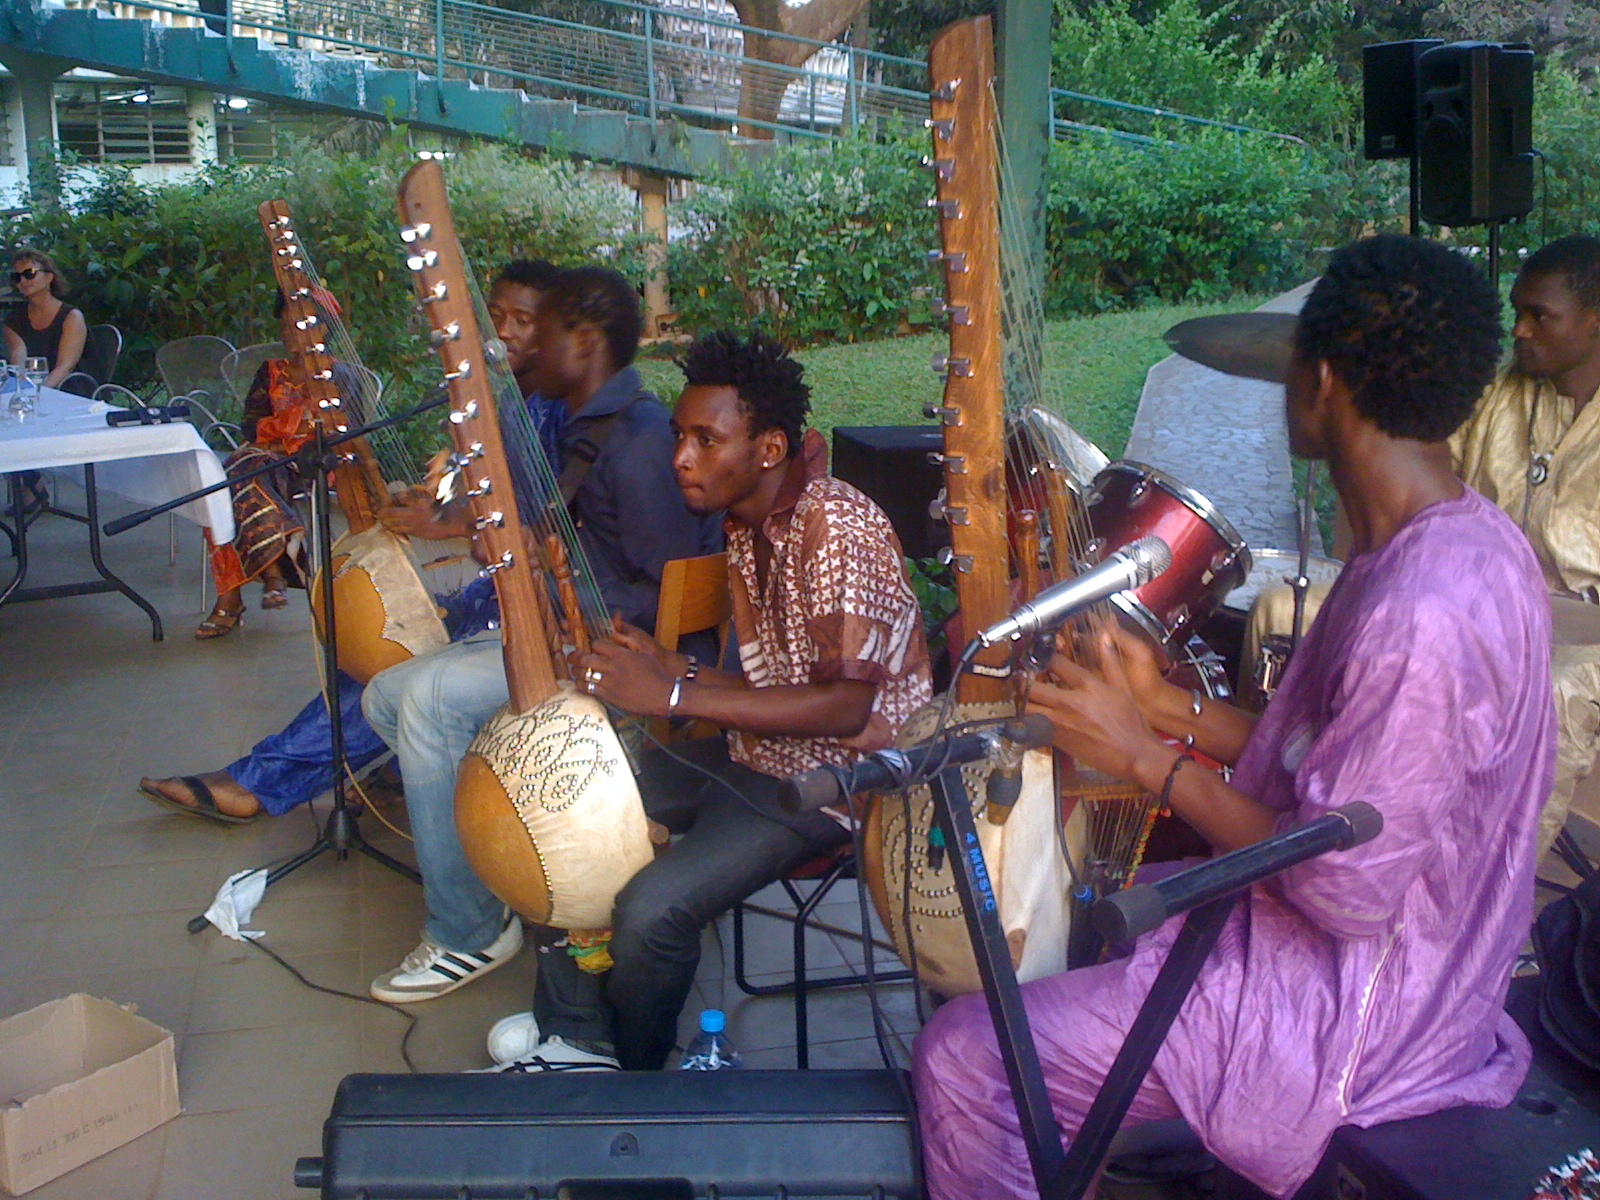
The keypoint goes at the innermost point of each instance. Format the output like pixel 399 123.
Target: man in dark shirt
pixel 617 448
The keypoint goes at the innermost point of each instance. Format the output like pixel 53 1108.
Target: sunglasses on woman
pixel 28 273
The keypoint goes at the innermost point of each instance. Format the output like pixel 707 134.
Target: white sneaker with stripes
pixel 430 971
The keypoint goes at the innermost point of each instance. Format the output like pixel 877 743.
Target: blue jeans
pixel 429 709
pixel 294 766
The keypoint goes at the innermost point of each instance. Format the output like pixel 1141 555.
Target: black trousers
pixel 729 848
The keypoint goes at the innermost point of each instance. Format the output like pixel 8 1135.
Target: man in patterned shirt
pixel 833 660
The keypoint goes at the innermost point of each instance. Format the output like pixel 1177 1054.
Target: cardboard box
pixel 78 1077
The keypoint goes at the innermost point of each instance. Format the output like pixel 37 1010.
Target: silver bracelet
pixel 1195 701
pixel 677 694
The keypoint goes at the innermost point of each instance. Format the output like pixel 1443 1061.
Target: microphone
pixel 890 769
pixel 1135 565
pixel 148 415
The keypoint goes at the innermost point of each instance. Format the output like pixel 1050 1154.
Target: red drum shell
pixel 1130 500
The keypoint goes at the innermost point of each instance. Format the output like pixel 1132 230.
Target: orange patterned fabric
pixel 836 606
pixel 289 426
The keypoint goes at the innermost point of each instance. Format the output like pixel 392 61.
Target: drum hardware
pixel 1210 559
pixel 1301 581
pixel 1272 660
pixel 1255 345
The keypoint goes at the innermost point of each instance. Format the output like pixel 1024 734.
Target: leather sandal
pixel 205 804
pixel 274 598
pixel 220 623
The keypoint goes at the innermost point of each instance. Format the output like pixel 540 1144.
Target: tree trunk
pixel 761 87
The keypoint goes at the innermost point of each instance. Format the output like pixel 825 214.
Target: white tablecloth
pixel 148 464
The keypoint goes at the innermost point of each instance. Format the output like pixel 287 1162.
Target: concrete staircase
pixel 352 86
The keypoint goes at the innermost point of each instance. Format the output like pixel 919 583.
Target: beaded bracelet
pixel 1166 787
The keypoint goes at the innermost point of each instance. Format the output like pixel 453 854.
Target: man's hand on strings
pixel 637 640
pixel 1142 665
pixel 414 514
pixel 636 681
pixel 1096 716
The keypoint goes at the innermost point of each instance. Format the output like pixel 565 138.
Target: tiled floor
pixel 96 885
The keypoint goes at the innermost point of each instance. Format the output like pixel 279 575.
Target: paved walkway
pixel 1224 437
pixel 96 884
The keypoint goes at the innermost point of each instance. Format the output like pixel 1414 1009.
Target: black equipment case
pixel 659 1135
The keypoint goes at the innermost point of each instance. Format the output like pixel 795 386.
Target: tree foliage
pixel 814 244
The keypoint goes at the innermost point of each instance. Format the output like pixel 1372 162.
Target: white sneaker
pixel 430 971
pixel 554 1054
pixel 512 1037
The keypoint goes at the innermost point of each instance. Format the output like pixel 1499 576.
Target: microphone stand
pixel 341 833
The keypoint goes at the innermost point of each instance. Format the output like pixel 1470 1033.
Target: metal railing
pixel 647 60
pixel 1065 126
pixel 677 58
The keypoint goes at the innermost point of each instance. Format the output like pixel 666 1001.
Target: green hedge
pixel 813 243
pixel 1130 226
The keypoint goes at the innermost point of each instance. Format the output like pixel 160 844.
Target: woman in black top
pixel 47 327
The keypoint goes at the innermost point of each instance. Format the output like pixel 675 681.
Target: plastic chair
pixel 192 366
pixel 239 368
pixel 695 597
pixel 102 348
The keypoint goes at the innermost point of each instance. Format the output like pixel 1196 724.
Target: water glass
pixel 12 386
pixel 36 371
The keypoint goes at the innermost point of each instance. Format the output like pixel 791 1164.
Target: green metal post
pixel 1022 67
pixel 650 61
pixel 854 88
pixel 438 52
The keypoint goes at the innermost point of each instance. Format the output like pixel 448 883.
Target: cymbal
pixel 1574 622
pixel 1253 344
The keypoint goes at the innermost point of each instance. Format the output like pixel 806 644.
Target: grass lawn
pixel 1095 368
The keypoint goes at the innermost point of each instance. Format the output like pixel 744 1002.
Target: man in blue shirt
pixel 617 475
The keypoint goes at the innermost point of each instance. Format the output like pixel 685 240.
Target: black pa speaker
pixel 619 1135
pixel 1475 145
pixel 890 464
pixel 1389 96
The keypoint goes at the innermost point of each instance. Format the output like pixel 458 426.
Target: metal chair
pixel 240 367
pixel 695 597
pixel 192 366
pixel 102 348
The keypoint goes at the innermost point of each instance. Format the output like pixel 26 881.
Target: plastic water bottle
pixel 711 1050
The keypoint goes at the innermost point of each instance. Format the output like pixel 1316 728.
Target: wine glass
pixel 35 371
